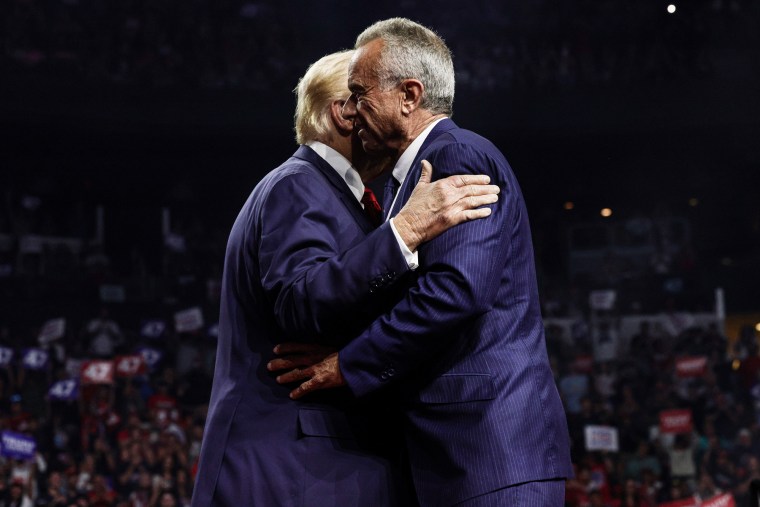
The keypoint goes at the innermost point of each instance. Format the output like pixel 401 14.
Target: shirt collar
pixel 404 162
pixel 341 165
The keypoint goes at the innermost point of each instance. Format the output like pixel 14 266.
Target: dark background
pixel 657 109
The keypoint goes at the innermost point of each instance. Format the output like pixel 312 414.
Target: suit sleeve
pixel 459 280
pixel 315 288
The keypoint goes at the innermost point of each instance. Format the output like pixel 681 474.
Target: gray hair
pixel 412 51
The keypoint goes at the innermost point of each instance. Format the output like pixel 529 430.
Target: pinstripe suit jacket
pixel 466 344
pixel 302 263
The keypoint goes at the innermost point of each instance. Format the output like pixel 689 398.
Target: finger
pixel 290 362
pixel 305 388
pixel 480 189
pixel 474 214
pixel 476 201
pixel 294 375
pixel 427 172
pixel 461 180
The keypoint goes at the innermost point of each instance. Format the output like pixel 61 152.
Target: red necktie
pixel 371 207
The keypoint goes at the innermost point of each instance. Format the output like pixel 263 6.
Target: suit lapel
pixel 413 176
pixel 340 186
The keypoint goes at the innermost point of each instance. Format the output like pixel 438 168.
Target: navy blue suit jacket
pixel 302 263
pixel 466 345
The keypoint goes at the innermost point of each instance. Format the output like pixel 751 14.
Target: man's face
pixel 376 112
pixel 370 165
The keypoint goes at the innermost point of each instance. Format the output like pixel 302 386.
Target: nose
pixel 349 108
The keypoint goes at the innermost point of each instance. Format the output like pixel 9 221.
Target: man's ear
pixel 411 90
pixel 342 125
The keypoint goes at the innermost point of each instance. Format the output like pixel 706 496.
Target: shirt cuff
pixel 412 259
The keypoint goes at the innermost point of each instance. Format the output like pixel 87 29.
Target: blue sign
pixel 153 328
pixel 17 446
pixel 64 390
pixel 151 356
pixel 34 359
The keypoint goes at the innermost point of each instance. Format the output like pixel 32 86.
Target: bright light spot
pixel 606 212
pixel 671 8
pixel 569 205
pixel 735 364
pixel 693 202
pixel 757 326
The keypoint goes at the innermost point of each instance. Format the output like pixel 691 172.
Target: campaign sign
pixel 188 320
pixel 129 366
pixel 6 356
pixel 52 330
pixel 17 445
pixel 97 372
pixel 602 299
pixel 153 328
pixel 676 421
pixel 724 500
pixel 601 438
pixel 64 390
pixel 34 359
pixel 150 356
pixel 691 367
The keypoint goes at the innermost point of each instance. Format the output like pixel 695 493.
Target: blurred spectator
pixel 103 336
pixel 683 466
pixel 574 387
pixel 17 497
pixel 632 496
pixel 718 464
pixel 641 461
pixel 54 493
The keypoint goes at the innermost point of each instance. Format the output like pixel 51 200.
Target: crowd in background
pixel 265 44
pixel 135 440
pixel 719 453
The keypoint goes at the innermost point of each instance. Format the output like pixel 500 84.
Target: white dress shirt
pixel 351 176
pixel 404 162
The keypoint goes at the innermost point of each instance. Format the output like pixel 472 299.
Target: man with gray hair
pixel 302 262
pixel 464 345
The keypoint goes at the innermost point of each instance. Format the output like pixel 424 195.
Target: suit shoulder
pixel 291 168
pixel 285 179
pixel 292 173
pixel 472 139
pixel 460 144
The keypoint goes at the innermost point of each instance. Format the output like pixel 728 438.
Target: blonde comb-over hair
pixel 324 82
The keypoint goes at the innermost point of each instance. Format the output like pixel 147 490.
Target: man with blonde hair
pixel 306 260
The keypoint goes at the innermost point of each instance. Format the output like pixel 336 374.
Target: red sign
pixel 97 372
pixel 724 500
pixel 129 366
pixel 676 421
pixel 690 367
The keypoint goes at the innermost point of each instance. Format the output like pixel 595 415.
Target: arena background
pixel 137 130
